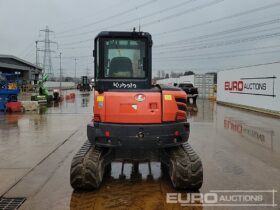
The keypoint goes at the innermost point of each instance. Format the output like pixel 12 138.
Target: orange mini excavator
pixel 134 120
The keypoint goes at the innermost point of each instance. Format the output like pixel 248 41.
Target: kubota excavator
pixel 134 120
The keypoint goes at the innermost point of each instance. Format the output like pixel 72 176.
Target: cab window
pixel 124 58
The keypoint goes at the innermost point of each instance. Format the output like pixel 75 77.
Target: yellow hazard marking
pixel 168 97
pixel 100 98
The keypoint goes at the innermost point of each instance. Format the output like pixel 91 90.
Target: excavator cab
pixel 123 60
pixel 134 120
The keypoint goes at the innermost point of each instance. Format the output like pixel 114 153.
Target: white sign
pixel 255 86
pixel 262 86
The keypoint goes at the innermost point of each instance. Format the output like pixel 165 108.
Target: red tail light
pixel 177 133
pixel 180 117
pixel 96 118
pixel 107 133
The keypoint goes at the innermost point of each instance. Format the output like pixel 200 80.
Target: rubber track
pixel 87 168
pixel 185 168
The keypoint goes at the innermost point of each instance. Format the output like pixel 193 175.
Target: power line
pixel 78 42
pixel 244 66
pixel 135 19
pixel 30 46
pixel 74 48
pixel 184 12
pixel 180 46
pixel 252 65
pixel 222 53
pixel 73 57
pixel 95 14
pixel 111 17
pixel 257 9
pixel 273 46
pixel 225 68
pixel 216 57
pixel 237 35
pixel 196 25
pixel 223 43
pixel 234 30
pixel 29 53
pixel 153 22
pixel 212 45
pixel 208 22
pixel 206 39
pixel 220 19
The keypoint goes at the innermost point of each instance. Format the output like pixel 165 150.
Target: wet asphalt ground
pixel 240 150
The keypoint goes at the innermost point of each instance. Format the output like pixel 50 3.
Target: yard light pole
pixel 60 73
pixel 36 53
pixel 75 69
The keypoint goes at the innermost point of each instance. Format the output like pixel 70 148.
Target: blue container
pixel 7 95
pixel 3 101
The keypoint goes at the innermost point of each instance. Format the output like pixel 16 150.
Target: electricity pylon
pixel 47 60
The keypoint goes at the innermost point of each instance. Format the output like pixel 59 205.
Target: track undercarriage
pixel 181 163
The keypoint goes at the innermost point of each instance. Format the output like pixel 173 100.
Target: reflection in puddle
pixel 81 103
pixel 134 189
pixel 9 125
pixel 129 171
pixel 72 100
pixel 258 130
pixel 254 134
pixel 85 101
pixel 192 110
pixel 43 108
pixel 9 120
pixel 201 111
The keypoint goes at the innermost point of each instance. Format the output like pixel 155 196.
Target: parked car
pixel 191 91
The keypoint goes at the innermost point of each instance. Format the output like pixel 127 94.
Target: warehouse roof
pixel 13 62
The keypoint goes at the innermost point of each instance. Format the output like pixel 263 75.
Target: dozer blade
pixel 184 167
pixel 88 166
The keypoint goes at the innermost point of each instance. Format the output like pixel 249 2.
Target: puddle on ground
pixel 131 190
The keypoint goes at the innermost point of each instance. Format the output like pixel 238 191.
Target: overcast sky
pixel 199 35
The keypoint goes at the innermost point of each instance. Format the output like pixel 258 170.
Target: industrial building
pixel 26 71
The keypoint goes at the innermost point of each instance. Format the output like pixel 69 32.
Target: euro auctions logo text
pixel 225 198
pixel 258 86
pixel 240 86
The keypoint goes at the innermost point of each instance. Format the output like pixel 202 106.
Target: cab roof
pixel 124 34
